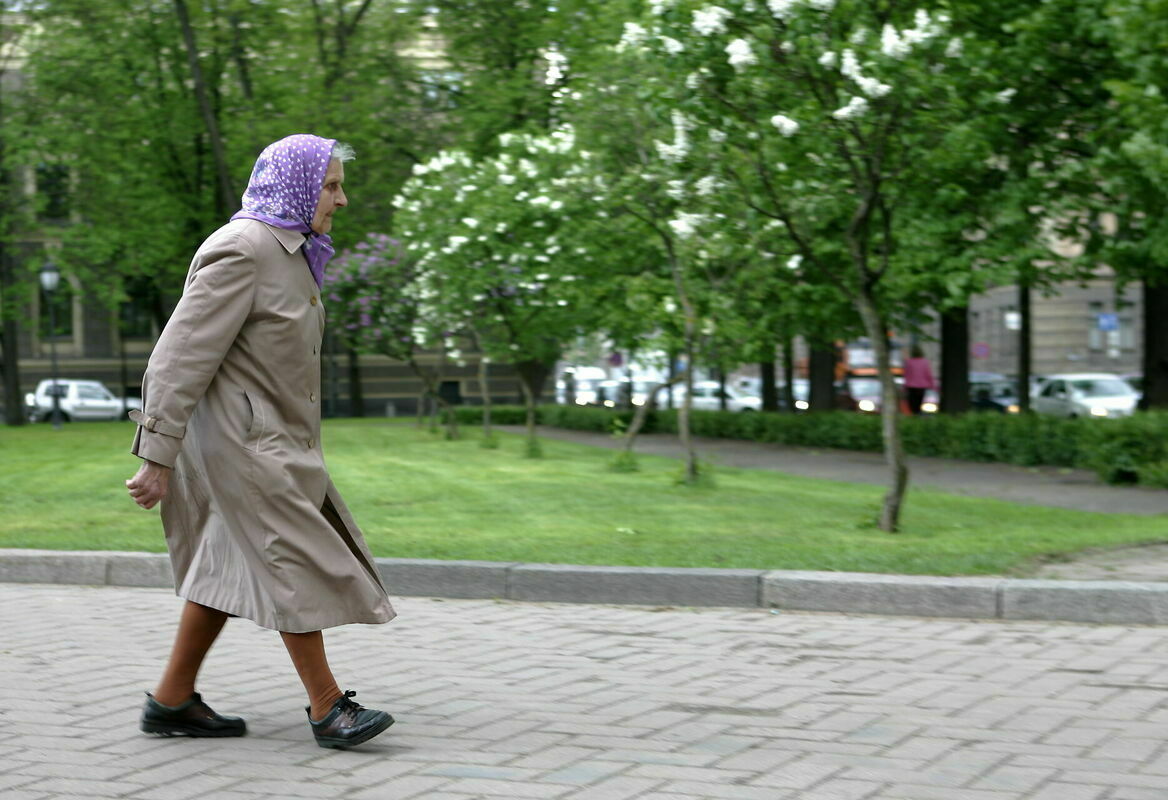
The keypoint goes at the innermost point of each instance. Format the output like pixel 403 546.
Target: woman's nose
pixel 342 200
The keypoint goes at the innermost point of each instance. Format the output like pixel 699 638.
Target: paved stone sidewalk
pixel 517 700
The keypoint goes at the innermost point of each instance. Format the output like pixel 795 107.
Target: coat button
pixel 314 349
pixel 313 300
pixel 312 397
pixel 311 443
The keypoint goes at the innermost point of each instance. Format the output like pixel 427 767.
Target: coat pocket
pixel 256 421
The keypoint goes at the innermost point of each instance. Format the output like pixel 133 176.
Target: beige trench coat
pixel 231 400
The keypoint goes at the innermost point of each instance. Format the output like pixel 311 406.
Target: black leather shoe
pixel 192 718
pixel 347 723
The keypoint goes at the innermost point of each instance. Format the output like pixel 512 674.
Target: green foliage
pixel 624 461
pixel 1129 450
pixel 1124 450
pixel 500 415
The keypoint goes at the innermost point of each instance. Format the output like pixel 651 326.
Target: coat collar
pixel 290 239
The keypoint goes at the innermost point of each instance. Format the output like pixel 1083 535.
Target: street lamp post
pixel 50 279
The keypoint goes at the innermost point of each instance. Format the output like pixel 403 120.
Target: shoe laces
pixel 347 706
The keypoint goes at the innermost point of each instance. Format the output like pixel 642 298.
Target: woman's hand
pixel 149 485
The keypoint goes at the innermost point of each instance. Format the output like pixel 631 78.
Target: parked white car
pixel 78 400
pixel 706 397
pixel 1087 394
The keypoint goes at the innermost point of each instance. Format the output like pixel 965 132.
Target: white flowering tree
pixel 377 305
pixel 499 253
pixel 828 114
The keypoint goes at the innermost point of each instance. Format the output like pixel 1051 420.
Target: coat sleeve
pixel 216 302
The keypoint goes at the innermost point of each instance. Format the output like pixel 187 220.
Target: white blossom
pixel 659 7
pixel 794 261
pixel 707 186
pixel 740 54
pixel 506 179
pixel 1006 95
pixel 470 222
pixel 717 135
pixel 671 45
pixel 686 224
pixel 693 80
pixel 670 305
pixel 855 108
pixel 892 44
pixel 871 86
pixel 710 20
pixel 634 36
pixel 955 48
pixel 556 205
pixel 786 125
pixel 676 190
pixel 827 59
pixel 850 66
pixel 672 153
pixel 781 9
pixel 557 65
pixel 822 5
pixel 456 242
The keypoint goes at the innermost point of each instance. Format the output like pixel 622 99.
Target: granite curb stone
pixel 1114 602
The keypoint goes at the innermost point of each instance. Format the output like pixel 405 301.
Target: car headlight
pixel 609 403
pixel 580 401
pixel 802 405
pixel 1013 408
pixel 929 408
pixel 867 405
pixel 1097 411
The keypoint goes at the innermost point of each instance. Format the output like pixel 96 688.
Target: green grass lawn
pixel 417 495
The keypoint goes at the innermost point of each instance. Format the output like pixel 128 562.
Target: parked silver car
pixel 1086 394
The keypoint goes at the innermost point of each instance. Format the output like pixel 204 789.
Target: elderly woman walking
pixel 229 434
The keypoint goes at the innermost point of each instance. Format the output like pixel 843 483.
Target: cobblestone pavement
pixel 525 700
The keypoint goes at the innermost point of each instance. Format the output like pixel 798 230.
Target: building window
pixel 135 315
pixel 61 313
pixel 52 182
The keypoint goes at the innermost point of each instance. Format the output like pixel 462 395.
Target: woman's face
pixel 332 197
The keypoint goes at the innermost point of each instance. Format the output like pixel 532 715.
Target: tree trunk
pixel 226 199
pixel 671 372
pixel 723 398
pixel 14 413
pixel 889 412
pixel 821 366
pixel 356 395
pixel 1024 345
pixel 534 450
pixel 770 396
pixel 643 412
pixel 485 390
pixel 789 375
pixel 955 360
pixel 1155 386
pixel 683 413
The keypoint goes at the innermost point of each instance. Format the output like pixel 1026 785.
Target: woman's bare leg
pixel 307 652
pixel 198 628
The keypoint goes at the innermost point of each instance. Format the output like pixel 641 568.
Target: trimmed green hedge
pixel 1129 450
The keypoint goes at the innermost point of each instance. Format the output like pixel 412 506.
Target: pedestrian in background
pixel 229 434
pixel 918 378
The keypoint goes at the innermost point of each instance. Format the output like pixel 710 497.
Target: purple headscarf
pixel 284 189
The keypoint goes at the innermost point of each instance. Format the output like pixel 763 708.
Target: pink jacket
pixel 918 374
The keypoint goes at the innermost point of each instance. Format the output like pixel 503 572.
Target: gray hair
pixel 343 152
